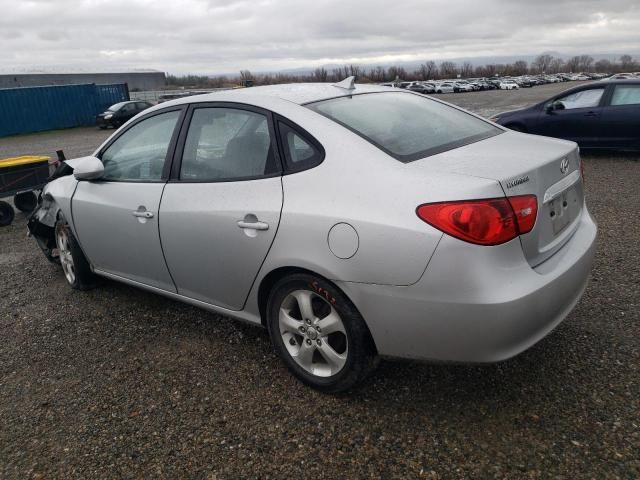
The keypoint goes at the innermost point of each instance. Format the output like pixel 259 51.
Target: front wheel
pixel 74 264
pixel 319 334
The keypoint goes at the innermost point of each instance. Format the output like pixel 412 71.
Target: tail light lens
pixel 489 221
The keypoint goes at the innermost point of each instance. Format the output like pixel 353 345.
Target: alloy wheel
pixel 313 333
pixel 66 258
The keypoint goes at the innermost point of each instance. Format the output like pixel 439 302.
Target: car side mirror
pixel 86 168
pixel 557 105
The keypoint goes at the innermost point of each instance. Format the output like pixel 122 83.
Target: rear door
pixel 621 118
pixel 221 209
pixel 116 217
pixel 578 121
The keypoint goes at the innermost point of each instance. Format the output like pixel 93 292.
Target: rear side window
pixel 404 125
pixel 227 143
pixel 300 150
pixel 626 95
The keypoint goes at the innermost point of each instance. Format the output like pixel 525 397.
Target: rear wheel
pixel 319 334
pixel 74 264
pixel 7 214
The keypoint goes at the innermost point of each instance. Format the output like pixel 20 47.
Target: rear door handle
pixel 143 214
pixel 591 114
pixel 253 225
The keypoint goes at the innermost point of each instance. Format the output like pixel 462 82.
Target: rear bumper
pixel 477 304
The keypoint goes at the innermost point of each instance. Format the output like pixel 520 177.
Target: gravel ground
pixel 120 383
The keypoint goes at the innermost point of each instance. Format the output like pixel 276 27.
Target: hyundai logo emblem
pixel 564 165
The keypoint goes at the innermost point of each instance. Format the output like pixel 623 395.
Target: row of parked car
pixel 493 83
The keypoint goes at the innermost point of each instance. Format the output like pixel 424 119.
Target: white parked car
pixel 508 85
pixel 445 87
pixel 463 87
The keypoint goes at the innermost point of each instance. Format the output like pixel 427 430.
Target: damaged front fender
pixel 54 201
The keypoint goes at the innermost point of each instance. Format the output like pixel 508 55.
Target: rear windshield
pixel 404 125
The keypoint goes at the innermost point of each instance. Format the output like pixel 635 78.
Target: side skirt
pixel 241 315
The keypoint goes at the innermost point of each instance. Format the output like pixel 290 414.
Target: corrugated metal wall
pixel 34 109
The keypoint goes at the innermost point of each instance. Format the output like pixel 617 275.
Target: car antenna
pixel 348 83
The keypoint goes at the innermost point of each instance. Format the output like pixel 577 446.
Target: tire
pixel 74 264
pixel 328 347
pixel 7 214
pixel 26 201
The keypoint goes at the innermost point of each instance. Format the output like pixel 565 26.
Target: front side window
pixel 583 99
pixel 139 153
pixel 227 143
pixel 405 126
pixel 626 95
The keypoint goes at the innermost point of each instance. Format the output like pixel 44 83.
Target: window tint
pixel 583 99
pixel 142 105
pixel 405 126
pixel 139 153
pixel 224 143
pixel 300 151
pixel 626 95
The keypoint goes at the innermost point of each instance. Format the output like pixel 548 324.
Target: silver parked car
pixel 351 221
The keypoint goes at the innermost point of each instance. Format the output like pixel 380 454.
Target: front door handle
pixel 142 214
pixel 591 114
pixel 253 225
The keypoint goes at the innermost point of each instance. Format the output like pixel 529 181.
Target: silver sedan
pixel 351 221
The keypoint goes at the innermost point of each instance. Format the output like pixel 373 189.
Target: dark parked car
pixel 601 115
pixel 119 113
pixel 423 88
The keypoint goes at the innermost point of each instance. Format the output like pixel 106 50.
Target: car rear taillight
pixel 489 221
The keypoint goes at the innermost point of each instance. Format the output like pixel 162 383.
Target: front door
pixel 220 214
pixel 578 118
pixel 116 217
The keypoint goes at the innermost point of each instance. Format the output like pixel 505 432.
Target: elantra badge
pixel 564 165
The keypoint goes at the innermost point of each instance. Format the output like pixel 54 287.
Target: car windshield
pixel 116 107
pixel 404 125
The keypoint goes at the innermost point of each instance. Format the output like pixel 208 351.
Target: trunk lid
pixel 523 165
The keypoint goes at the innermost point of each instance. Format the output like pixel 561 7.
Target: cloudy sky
pixel 217 36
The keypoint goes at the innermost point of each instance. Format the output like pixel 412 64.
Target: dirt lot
pixel 120 383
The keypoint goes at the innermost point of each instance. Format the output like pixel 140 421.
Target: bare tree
pixel 626 62
pixel 604 66
pixel 320 74
pixel 467 69
pixel 542 62
pixel 573 64
pixel 556 65
pixel 585 62
pixel 431 69
pixel 448 69
pixel 520 67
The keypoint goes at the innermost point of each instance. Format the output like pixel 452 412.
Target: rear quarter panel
pixel 377 195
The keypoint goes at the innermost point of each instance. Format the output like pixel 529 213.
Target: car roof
pixel 298 93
